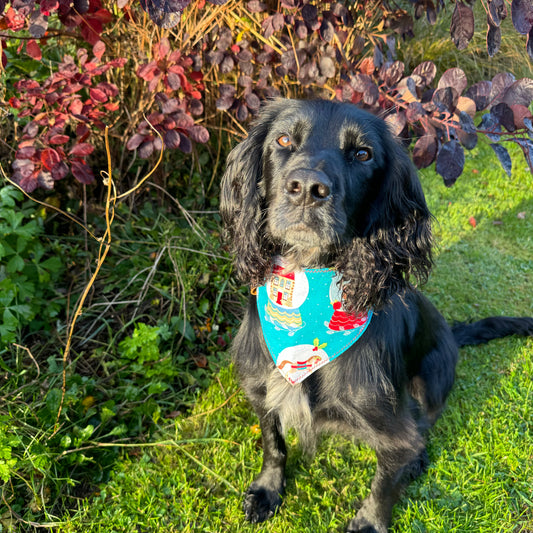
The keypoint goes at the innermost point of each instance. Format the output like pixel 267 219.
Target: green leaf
pixel 53 400
pixel 183 328
pixel 203 306
pixel 15 264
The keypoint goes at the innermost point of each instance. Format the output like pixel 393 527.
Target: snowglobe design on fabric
pixel 303 320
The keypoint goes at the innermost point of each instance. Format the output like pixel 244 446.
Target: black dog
pixel 325 186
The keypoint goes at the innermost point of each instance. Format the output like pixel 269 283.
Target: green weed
pixel 29 270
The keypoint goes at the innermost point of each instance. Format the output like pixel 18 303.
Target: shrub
pixel 226 56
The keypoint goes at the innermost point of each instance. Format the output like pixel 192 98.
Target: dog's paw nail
pixel 260 505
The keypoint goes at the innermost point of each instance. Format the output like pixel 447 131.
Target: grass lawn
pixel 192 476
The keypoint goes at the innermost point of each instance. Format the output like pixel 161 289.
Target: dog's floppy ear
pixel 242 201
pixel 397 242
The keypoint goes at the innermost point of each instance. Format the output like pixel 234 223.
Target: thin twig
pixel 31 357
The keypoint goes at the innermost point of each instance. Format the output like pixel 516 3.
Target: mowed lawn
pixel 192 476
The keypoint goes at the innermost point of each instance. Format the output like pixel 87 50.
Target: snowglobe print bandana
pixel 303 322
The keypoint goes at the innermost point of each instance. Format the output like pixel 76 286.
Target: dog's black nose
pixel 308 187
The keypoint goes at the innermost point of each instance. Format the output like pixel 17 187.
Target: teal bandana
pixel 303 322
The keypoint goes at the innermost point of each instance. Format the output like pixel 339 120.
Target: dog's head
pixel 326 184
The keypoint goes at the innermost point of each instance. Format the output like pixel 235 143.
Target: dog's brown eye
pixel 363 154
pixel 284 141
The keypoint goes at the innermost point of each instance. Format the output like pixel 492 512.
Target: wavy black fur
pixel 326 184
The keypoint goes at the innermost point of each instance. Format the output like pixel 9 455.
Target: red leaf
pixel 49 158
pixel 91 30
pixel 27 183
pixel 76 107
pixel 117 63
pixel 59 139
pixel 148 71
pixel 99 49
pixel 82 149
pixel 82 132
pixel 23 167
pixel 163 48
pixel 82 172
pixel 97 95
pixel 59 171
pixel 104 16
pixel 472 221
pixel 34 50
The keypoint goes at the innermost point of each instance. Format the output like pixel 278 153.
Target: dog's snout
pixel 308 187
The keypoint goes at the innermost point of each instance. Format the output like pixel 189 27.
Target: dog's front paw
pixel 260 503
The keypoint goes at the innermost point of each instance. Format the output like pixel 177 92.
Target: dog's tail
pixel 467 334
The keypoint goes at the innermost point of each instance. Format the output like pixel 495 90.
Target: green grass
pixel 191 475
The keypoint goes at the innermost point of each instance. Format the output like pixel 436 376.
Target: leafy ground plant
pixel 29 269
pixel 191 474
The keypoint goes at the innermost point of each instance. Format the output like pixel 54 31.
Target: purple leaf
pixel 82 149
pixel 392 74
pixel 327 31
pixel 527 148
pixel 253 102
pixel 165 13
pixel 503 157
pixel 497 11
pixel 424 151
pixel 494 38
pixel 135 141
pixel 242 112
pixel 490 126
pixel 171 139
pixel 255 6
pixel 480 92
pixel 198 134
pixel 146 149
pixel 446 97
pixel 426 71
pixel 310 14
pixel 396 122
pixel 462 27
pixel 522 15
pixel 82 172
pixel 505 116
pixel 455 78
pixel 185 143
pixel 450 162
pixel 519 93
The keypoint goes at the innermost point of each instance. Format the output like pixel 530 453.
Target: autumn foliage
pixel 169 73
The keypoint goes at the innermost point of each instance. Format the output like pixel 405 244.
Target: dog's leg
pixel 394 471
pixel 263 496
